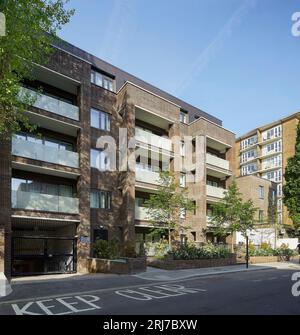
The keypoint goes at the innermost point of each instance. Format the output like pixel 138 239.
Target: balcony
pixel 44 202
pixel 215 192
pixel 52 105
pixel 217 162
pixel 43 153
pixel 155 141
pixel 146 176
pixel 141 213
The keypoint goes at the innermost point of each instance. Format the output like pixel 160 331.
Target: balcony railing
pixel 141 213
pixel 152 139
pixel 218 162
pixel 215 192
pixel 43 153
pixel 52 105
pixel 44 202
pixel 146 176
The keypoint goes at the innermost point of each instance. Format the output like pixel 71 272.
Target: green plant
pixel 284 251
pixel 106 249
pixel 208 251
pixel 159 249
pixel 166 205
pixel 31 30
pixel 129 251
pixel 232 214
pixel 291 188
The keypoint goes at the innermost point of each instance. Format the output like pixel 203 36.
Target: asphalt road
pixel 257 292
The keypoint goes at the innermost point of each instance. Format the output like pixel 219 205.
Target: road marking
pixel 272 278
pixel 158 292
pixel 96 291
pixel 257 280
pixel 53 306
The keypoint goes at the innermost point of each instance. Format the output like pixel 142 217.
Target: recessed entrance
pixel 43 247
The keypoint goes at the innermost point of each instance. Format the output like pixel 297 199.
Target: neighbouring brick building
pixel 264 152
pixel 55 201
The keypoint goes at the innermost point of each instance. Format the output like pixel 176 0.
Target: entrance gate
pixel 43 255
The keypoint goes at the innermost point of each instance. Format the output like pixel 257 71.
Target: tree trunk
pixel 170 241
pixel 232 245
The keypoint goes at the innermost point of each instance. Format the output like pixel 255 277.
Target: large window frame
pixel 101 200
pixel 101 80
pixel 100 119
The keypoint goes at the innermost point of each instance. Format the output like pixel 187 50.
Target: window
pixel 261 192
pixel 261 216
pixel 273 175
pixel 183 117
pixel 101 80
pixel 182 181
pixel 195 208
pixel 140 202
pixel 101 200
pixel 212 183
pixel 279 190
pixel 248 155
pixel 248 169
pixel 25 185
pixel 182 148
pixel 182 213
pixel 249 142
pixel 272 133
pixel 100 160
pixel 100 119
pixel 46 141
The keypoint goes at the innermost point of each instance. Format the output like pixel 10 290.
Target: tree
pixel 232 215
pixel 167 206
pixel 31 28
pixel 291 189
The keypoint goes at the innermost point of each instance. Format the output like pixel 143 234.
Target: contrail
pixel 214 47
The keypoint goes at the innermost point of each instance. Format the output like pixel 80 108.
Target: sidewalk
pixel 159 274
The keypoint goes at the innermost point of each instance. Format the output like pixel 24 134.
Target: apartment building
pixel 59 192
pixel 264 152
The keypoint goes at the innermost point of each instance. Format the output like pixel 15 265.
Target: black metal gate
pixel 43 255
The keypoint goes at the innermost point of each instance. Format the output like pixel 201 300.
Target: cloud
pixel 212 50
pixel 117 27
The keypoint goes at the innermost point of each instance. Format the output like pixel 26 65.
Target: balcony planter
pixel 119 266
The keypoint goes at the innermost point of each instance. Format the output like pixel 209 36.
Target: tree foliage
pixel 291 189
pixel 31 28
pixel 231 214
pixel 166 206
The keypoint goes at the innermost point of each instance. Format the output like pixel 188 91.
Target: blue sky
pixel 235 59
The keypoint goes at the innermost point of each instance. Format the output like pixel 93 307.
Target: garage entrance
pixel 41 246
pixel 43 255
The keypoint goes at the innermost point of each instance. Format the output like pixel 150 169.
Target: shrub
pixel 209 251
pixel 106 249
pixel 129 251
pixel 266 250
pixel 159 249
pixel 284 251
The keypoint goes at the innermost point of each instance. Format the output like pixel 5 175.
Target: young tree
pixel 167 205
pixel 31 28
pixel 232 215
pixel 291 190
